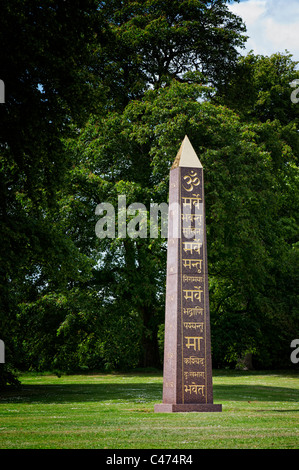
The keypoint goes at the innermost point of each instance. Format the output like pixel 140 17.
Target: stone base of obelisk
pixel 186 408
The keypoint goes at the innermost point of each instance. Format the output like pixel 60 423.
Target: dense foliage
pixel 99 96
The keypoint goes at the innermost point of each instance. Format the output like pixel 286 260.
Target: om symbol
pixel 191 180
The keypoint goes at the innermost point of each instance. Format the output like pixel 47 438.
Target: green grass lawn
pixel 116 411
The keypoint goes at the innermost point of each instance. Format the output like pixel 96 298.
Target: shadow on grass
pixel 70 393
pixel 292 373
pixel 254 393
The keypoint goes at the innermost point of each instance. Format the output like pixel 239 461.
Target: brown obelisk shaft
pixel 187 378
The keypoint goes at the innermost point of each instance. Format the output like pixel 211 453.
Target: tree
pixel 260 92
pixel 46 52
pixel 141 70
pixel 246 166
pixel 148 43
pixel 260 88
pixel 139 45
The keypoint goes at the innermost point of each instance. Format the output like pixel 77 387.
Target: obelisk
pixel 187 376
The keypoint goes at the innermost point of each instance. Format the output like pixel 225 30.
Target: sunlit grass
pixel 115 411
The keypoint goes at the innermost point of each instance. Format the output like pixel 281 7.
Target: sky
pixel 273 25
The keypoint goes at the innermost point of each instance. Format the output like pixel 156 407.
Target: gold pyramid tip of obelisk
pixel 186 156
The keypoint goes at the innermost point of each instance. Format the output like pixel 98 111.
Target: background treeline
pixel 99 96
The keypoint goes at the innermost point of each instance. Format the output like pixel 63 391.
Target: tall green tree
pixel 70 299
pixel 139 45
pixel 150 42
pixel 45 58
pixel 251 181
pixel 260 91
pixel 259 88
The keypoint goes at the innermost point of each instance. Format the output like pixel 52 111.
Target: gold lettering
pixel 191 263
pixel 187 263
pixel 197 218
pixel 196 200
pixel 189 201
pixel 194 325
pixel 193 388
pixel 191 294
pixel 197 265
pixel 198 231
pixel 188 232
pixel 192 246
pixel 191 181
pixel 188 294
pixel 194 375
pixel 198 293
pixel 194 360
pixel 192 278
pixel 187 217
pixel 193 342
pixel 192 312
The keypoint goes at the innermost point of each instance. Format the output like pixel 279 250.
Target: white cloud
pixel 272 25
pixel 250 11
pixel 284 12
